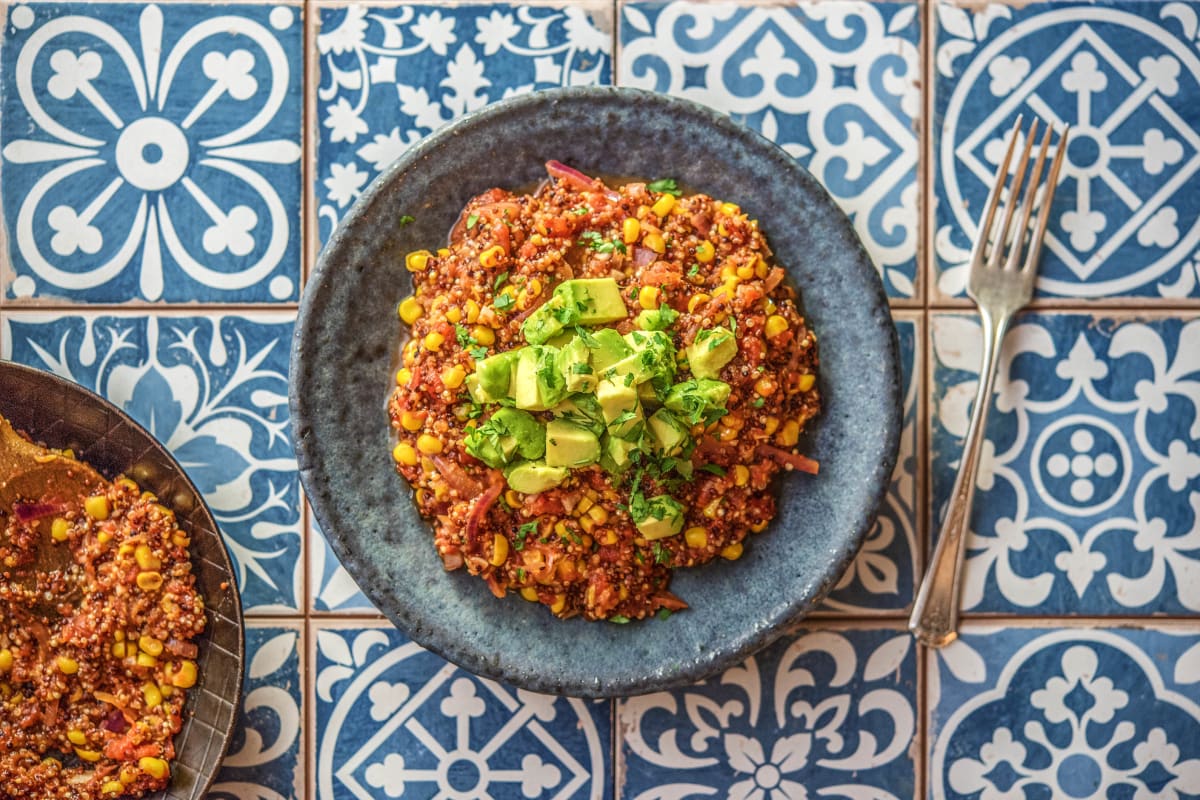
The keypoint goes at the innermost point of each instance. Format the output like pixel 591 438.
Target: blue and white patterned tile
pixel 332 588
pixel 393 719
pixel 151 152
pixel 837 85
pixel 829 712
pixel 390 75
pixel 1088 497
pixel 1126 77
pixel 264 760
pixel 1037 713
pixel 213 389
pixel 882 577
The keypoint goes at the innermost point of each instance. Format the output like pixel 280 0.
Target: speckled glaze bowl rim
pixel 214 760
pixel 777 618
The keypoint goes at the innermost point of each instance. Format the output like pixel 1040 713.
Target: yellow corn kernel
pixel 149 581
pixel 610 538
pixel 648 296
pixel 560 602
pixel 59 529
pixel 731 209
pixel 759 527
pixel 166 689
pixel 771 424
pixel 6 660
pixel 96 507
pixel 655 242
pixel 499 550
pixel 154 767
pixel 416 261
pixel 728 271
pixel 560 528
pixel 87 755
pixel 118 649
pixel 530 594
pixel 454 315
pixel 805 382
pixel 76 737
pixel 412 420
pixel 405 454
pixel 745 273
pixel 185 676
pixel 534 287
pixel 146 660
pixel 765 386
pixel 179 539
pixel 429 445
pixel 453 377
pixel 741 475
pixel 727 434
pixel 789 434
pixel 472 311
pixel 146 558
pixel 705 252
pixel 152 695
pixel 443 251
pixel 434 340
pixel 112 787
pixel 491 257
pixel 761 270
pixel 599 514
pixel 696 537
pixel 403 376
pixel 410 310
pixel 713 509
pixel 512 498
pixel 733 552
pixel 103 537
pixel 484 335
pixel 587 523
pixel 697 300
pixel 67 665
pixel 585 503
pixel 663 205
pixel 775 326
pixel 150 645
pixel 410 353
pixel 129 774
pixel 630 230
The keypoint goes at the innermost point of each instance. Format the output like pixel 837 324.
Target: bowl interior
pixel 345 352
pixel 59 413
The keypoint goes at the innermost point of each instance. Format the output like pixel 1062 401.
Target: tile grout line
pixel 923 513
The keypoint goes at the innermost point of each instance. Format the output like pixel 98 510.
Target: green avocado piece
pixel 652 357
pixel 522 426
pixel 583 410
pixel 712 349
pixel 574 364
pixel 531 477
pixel 504 435
pixel 658 319
pixel 619 404
pixel 570 445
pixel 549 319
pixel 695 398
pixel 561 339
pixel 615 454
pixel 609 348
pixel 598 300
pixel 669 434
pixel 493 377
pixel 648 395
pixel 539 385
pixel 659 517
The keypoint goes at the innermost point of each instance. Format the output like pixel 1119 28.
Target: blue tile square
pixel 1056 713
pixel 837 85
pixel 390 75
pixel 881 579
pixel 824 712
pixel 151 152
pixel 1126 77
pixel 395 720
pixel 1086 500
pixel 264 759
pixel 331 587
pixel 214 390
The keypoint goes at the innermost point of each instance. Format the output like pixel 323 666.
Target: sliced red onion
pixel 28 512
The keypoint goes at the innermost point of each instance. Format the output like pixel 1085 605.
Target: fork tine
pixel 1014 195
pixel 985 224
pixel 1031 192
pixel 1039 231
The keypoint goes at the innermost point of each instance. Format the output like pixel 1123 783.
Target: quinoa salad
pixel 599 387
pixel 98 613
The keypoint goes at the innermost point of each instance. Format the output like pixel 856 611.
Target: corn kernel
pixel 429 445
pixel 587 523
pixel 6 660
pixel 648 296
pixel 745 273
pixel 759 527
pixel 731 209
pixel 499 551
pixel 59 529
pixel 410 310
pixel 103 537
pixel 599 514
pixel 805 382
pixel 530 594
pixel 761 270
pixel 655 242
pixel 404 454
pixel 512 498
pixel 534 287
pixel 154 767
pixel 453 377
pixel 789 434
pixel 416 261
pixel 472 311
pixel 185 676
pixel 87 755
pixel 412 420
pixel 630 230
pixel 166 689
pixel 146 558
pixel 696 537
pixel 146 660
pixel 484 335
pixel 152 695
pixel 728 271
pixel 610 538
pixel 697 300
pixel 775 326
pixel 410 353
pixel 76 737
pixel 741 475
pixel 454 315
pixel 560 528
pixel 433 340
pixel 118 649
pixel 96 507
pixel 663 205
pixel 585 503
pixel 491 257
pixel 771 424
pixel 560 602
pixel 67 665
pixel 149 581
pixel 129 774
pixel 112 787
pixel 150 645
pixel 179 539
pixel 765 386
pixel 705 252
pixel 443 251
pixel 733 552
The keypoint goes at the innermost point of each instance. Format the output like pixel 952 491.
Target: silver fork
pixel 1000 286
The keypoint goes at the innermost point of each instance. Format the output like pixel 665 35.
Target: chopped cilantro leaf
pixel 521 577
pixel 759 402
pixel 407 219
pixel 634 292
pixel 476 411
pixel 662 555
pixel 597 242
pixel 664 186
pixel 588 339
pixel 504 302
pixel 629 379
pixel 693 272
pixel 619 619
pixel 579 211
pixel 522 532
pixel 478 353
pixel 715 469
pixel 500 279
pixel 463 336
pixel 582 369
pixel 623 417
pixel 663 613
pixel 732 324
pixel 472 219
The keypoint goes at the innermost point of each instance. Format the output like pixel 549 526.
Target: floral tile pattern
pixel 1126 77
pixel 214 390
pixel 391 75
pixel 264 761
pixel 823 712
pixel 835 84
pixel 1066 713
pixel 882 578
pixel 151 152
pixel 331 587
pixel 395 720
pixel 1089 488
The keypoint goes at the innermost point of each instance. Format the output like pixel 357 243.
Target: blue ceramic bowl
pixel 345 351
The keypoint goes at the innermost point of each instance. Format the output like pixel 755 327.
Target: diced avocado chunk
pixel 504 435
pixel 653 358
pixel 696 398
pixel 659 517
pixel 598 300
pixel 570 445
pixel 561 339
pixel 574 364
pixel 492 379
pixel 549 319
pixel 619 404
pixel 521 426
pixel 712 349
pixel 531 477
pixel 538 383
pixel 583 410
pixel 669 433
pixel 615 455
pixel 609 349
pixel 647 394
pixel 658 319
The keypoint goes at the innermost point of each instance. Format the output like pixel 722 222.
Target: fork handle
pixel 934 619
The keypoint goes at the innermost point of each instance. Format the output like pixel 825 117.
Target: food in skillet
pixel 98 612
pixel 600 385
